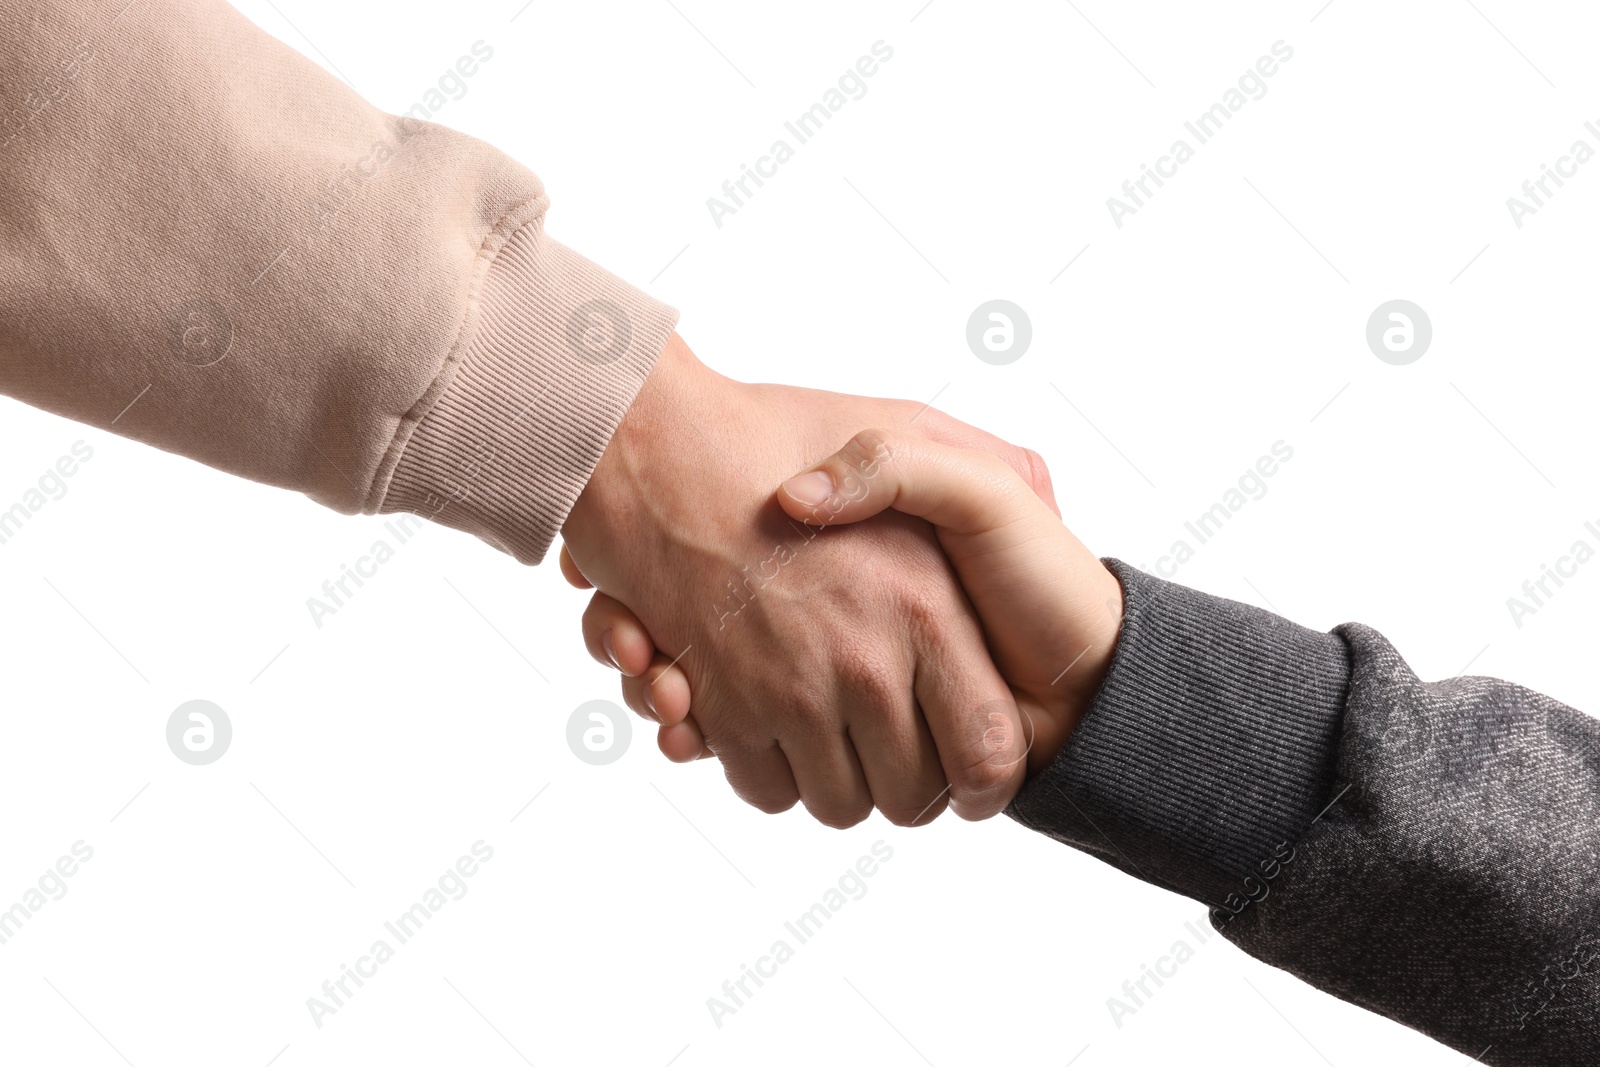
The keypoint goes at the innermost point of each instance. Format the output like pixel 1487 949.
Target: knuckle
pixel 927 609
pixel 982 778
pixel 1035 466
pixel 840 816
pixel 743 769
pixel 772 803
pixel 905 815
pixel 874 682
pixel 931 419
pixel 764 796
pixel 873 442
pixel 988 762
pixel 1037 472
pixel 860 461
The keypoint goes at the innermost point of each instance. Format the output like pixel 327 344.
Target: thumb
pixel 1043 597
pixel 966 493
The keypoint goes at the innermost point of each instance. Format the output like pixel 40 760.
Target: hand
pixel 1050 610
pixel 839 667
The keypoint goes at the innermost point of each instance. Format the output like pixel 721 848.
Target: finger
pixel 886 730
pixel 828 774
pixel 570 571
pixel 980 733
pixel 944 429
pixel 683 742
pixel 901 764
pixel 615 637
pixel 759 774
pixel 660 694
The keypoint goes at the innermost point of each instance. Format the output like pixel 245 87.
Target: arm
pixel 213 246
pixel 1430 851
pixel 1425 850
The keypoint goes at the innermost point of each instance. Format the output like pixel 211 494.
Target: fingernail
pixel 811 488
pixel 611 651
pixel 650 702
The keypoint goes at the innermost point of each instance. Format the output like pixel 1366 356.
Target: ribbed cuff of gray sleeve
pixel 1210 743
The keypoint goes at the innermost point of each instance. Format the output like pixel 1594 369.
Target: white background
pixel 1227 314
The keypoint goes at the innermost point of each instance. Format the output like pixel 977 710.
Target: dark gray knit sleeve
pixel 1430 851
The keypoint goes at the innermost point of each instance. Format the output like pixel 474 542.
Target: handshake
pixel 934 656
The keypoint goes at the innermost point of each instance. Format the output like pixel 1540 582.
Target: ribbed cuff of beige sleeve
pixel 553 352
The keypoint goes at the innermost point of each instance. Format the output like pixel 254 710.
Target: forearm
pixel 278 280
pixel 1424 850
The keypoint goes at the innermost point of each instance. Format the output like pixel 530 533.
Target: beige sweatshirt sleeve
pixel 209 244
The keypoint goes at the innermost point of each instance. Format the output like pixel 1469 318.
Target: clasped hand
pixel 933 656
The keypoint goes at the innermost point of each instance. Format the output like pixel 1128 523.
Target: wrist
pixel 548 331
pixel 1074 690
pixel 635 471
